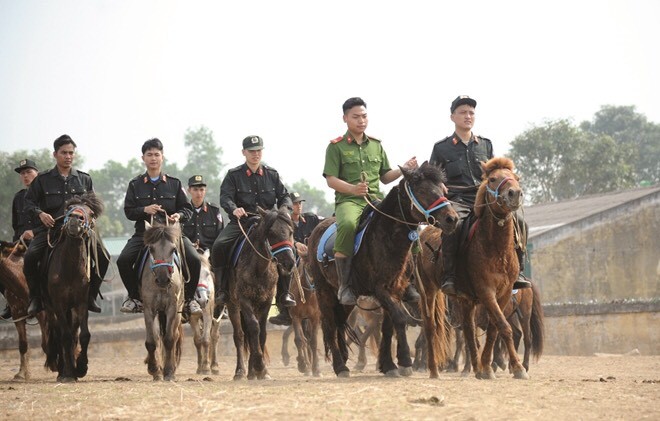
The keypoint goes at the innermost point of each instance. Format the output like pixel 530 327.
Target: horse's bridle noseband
pixel 440 203
pixel 496 193
pixel 85 218
pixel 280 247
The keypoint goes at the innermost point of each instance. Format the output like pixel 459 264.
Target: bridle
pixel 273 250
pixel 74 212
pixel 440 203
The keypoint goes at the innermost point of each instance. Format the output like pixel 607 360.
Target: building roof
pixel 547 216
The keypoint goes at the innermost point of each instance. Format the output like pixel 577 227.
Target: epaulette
pixel 375 138
pixel 213 205
pixel 235 168
pixel 444 140
pixel 267 168
pixel 170 176
pixel 82 172
pixel 337 140
pixel 484 138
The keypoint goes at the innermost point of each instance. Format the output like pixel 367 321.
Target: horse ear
pixel 407 174
pixel 483 167
pixel 147 225
pixel 262 212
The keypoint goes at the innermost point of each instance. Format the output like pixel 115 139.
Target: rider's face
pixel 463 117
pixel 252 158
pixel 356 119
pixel 153 159
pixel 64 156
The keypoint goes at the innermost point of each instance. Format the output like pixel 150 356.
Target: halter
pixel 496 193
pixel 280 247
pixel 78 210
pixel 440 203
pixel 156 263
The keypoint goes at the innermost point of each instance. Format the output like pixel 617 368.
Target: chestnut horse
pixel 69 274
pixel 488 267
pixel 379 264
pixel 266 255
pixel 17 296
pixel 161 289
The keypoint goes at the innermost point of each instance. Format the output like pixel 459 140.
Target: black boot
pixel 283 318
pixel 6 313
pixel 411 295
pixel 221 287
pixel 344 293
pixel 449 246
pixel 284 297
pixel 94 287
pixel 35 297
pixel 522 281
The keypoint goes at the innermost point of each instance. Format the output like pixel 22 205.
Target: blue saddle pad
pixel 325 251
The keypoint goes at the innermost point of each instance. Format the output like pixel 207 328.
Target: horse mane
pixel 89 199
pixel 270 217
pixel 430 172
pixel 170 232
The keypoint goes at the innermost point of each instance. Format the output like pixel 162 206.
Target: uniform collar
pixel 456 139
pixel 146 178
pixel 349 138
pixel 249 172
pixel 55 173
pixel 203 208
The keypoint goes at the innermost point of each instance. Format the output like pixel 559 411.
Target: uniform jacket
pixel 49 191
pixel 242 188
pixel 20 220
pixel 166 192
pixel 461 163
pixel 306 224
pixel 204 225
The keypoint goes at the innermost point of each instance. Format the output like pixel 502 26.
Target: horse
pixel 17 296
pixel 161 289
pixel 305 320
pixel 67 291
pixel 266 255
pixel 205 328
pixel 366 320
pixel 488 266
pixel 378 265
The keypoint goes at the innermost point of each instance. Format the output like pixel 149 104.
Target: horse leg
pixel 82 361
pixel 207 325
pixel 333 316
pixel 262 374
pixel 285 345
pixel 251 327
pixel 24 370
pixel 234 314
pixel 215 337
pixel 385 362
pixel 67 348
pixel 170 340
pixel 430 331
pixel 399 322
pixel 197 340
pixel 153 365
pixel 526 337
pixel 485 369
pixel 496 318
pixel 469 335
pixel 301 345
pixel 313 345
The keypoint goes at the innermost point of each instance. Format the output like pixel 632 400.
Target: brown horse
pixel 161 289
pixel 267 254
pixel 17 295
pixel 378 266
pixel 69 274
pixel 306 321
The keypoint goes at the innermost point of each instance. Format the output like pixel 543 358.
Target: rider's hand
pixel 28 235
pixel 411 164
pixel 239 213
pixel 445 190
pixel 152 209
pixel 361 188
pixel 301 249
pixel 174 217
pixel 47 220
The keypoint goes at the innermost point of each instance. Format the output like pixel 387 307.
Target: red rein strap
pixel 281 244
pixel 441 199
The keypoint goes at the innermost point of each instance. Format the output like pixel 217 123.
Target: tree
pixel 204 158
pixel 634 133
pixel 314 198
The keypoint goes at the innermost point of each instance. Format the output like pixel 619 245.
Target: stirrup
pixel 282 319
pixel 346 296
pixel 448 288
pixel 522 282
pixel 131 305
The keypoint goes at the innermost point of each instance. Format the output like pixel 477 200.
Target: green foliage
pixel 204 158
pixel 314 199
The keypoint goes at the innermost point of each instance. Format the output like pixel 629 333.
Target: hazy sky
pixel 114 73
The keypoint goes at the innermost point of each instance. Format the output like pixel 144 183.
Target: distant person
pixel 304 225
pixel 21 222
pixel 44 203
pixel 460 155
pixel 244 188
pixel 354 165
pixel 206 222
pixel 154 194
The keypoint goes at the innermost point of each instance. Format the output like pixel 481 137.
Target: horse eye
pixel 492 179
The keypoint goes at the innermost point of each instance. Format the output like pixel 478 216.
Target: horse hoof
pixel 205 371
pixel 158 378
pixel 406 371
pixel 521 375
pixel 20 378
pixel 265 377
pixel 317 374
pixel 359 367
pixel 344 374
pixel 465 373
pixel 171 378
pixel 239 377
pixel 66 379
pixel 488 375
pixel 215 371
pixel 394 373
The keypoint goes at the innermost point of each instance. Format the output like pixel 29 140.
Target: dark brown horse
pixel 378 266
pixel 306 321
pixel 69 274
pixel 267 254
pixel 17 296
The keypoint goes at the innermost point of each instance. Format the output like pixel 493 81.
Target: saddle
pixel 325 252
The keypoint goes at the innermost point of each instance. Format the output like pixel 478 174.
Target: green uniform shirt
pixel 347 160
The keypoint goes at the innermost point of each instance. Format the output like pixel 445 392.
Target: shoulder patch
pixel 171 177
pixel 484 138
pixel 82 172
pixel 235 169
pixel 375 138
pixel 337 140
pixel 444 140
pixel 213 205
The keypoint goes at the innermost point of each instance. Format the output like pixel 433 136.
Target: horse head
pixel 500 183
pixel 424 186
pixel 162 241
pixel 81 213
pixel 277 231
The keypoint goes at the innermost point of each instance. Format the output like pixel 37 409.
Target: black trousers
pixel 127 265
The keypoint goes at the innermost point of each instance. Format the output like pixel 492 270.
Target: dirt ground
pixel 577 388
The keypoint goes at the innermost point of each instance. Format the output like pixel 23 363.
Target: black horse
pixel 378 268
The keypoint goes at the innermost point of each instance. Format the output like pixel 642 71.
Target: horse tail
pixel 537 324
pixel 442 332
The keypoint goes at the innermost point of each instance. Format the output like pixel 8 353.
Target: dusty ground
pixel 560 388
